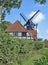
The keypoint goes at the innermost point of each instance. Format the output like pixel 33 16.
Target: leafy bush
pixel 11 49
pixel 38 45
pixel 46 44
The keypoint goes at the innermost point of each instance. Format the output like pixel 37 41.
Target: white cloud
pixel 39 5
pixel 41 36
pixel 38 18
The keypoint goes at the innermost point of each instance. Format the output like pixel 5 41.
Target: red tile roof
pixel 33 33
pixel 16 27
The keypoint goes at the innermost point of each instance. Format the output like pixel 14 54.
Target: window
pixel 19 34
pixel 24 34
pixel 16 33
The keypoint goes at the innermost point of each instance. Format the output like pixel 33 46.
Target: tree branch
pixel 4 2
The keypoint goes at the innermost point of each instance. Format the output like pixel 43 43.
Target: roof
pixel 16 27
pixel 33 33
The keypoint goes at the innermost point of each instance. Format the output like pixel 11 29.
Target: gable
pixel 16 27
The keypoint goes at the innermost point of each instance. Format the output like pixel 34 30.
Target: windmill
pixel 29 24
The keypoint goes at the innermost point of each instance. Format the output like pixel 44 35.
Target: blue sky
pixel 29 7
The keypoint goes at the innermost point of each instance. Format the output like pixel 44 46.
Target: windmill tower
pixel 29 24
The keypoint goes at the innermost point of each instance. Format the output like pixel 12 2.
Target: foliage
pixel 46 43
pixel 6 5
pixel 41 1
pixel 16 51
pixel 11 49
pixel 4 24
pixel 43 60
pixel 38 45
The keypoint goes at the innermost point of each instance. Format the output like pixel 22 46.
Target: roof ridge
pixel 22 25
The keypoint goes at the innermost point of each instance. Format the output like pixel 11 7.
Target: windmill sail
pixel 34 15
pixel 22 15
pixel 29 24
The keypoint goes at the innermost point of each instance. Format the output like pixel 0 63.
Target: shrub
pixel 46 44
pixel 38 45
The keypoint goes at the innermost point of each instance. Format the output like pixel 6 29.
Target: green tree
pixel 41 1
pixel 5 24
pixel 6 5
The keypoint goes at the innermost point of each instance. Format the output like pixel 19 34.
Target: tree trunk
pixel 0 14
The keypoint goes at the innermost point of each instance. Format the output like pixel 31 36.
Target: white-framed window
pixel 19 34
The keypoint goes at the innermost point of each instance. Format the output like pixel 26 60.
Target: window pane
pixel 19 34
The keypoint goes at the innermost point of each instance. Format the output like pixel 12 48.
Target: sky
pixel 28 8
